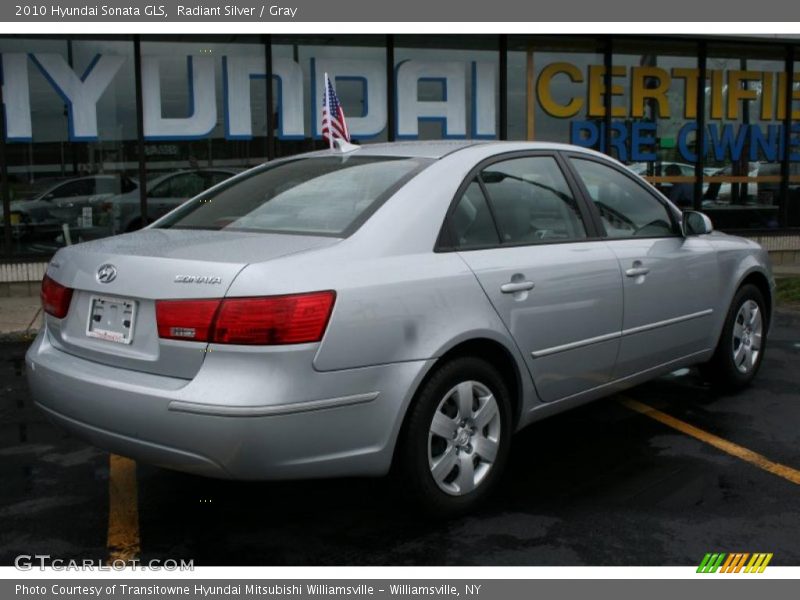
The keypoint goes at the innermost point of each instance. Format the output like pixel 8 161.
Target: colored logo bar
pixel 736 562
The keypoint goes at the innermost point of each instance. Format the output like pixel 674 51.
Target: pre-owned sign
pixel 641 96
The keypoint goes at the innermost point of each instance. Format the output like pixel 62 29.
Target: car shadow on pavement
pixel 592 463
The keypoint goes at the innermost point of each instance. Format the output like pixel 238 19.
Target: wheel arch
pixel 719 369
pixel 761 281
pixel 495 352
pixel 501 358
pixel 755 276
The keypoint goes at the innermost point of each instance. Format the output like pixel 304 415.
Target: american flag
pixel 334 126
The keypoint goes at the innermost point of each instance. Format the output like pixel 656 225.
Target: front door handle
pixel 516 286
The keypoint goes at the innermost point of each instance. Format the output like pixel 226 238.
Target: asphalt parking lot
pixel 601 485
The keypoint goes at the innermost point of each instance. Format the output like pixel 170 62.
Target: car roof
pixel 417 149
pixel 436 149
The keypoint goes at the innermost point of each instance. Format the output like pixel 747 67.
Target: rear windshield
pixel 329 195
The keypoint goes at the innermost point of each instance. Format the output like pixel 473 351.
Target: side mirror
pixel 696 223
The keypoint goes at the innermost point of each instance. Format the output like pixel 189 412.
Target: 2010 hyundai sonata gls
pixel 407 304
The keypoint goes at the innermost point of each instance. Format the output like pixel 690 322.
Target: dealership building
pixel 102 134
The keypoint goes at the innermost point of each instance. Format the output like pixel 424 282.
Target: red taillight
pixel 186 319
pixel 55 298
pixel 294 319
pixel 270 320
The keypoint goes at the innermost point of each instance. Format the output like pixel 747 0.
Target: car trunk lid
pixel 112 317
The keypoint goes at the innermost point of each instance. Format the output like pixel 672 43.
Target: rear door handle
pixel 637 269
pixel 516 286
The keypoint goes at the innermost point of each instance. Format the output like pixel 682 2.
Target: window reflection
pixel 744 125
pixel 66 161
pixel 73 161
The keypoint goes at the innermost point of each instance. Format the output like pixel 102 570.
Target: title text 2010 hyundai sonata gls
pixel 408 305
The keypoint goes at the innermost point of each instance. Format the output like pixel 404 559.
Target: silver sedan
pixel 405 306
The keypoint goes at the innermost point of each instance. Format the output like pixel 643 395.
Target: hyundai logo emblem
pixel 106 273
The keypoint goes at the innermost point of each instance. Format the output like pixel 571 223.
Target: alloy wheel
pixel 464 438
pixel 747 336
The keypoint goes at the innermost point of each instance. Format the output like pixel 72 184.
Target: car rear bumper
pixel 243 416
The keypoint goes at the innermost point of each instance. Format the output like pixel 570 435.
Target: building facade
pixel 103 134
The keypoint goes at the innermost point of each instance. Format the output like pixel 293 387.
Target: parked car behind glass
pixel 42 215
pixel 164 193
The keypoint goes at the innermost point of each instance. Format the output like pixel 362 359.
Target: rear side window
pixel 471 223
pixel 315 196
pixel 532 202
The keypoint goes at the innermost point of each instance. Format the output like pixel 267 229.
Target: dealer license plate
pixel 111 319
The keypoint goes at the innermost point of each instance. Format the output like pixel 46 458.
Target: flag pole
pixel 328 111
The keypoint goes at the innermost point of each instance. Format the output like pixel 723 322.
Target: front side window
pixel 626 208
pixel 315 196
pixel 532 202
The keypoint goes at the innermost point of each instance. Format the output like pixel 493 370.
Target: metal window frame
pixel 700 134
pixel 783 216
pixel 137 75
pixel 6 190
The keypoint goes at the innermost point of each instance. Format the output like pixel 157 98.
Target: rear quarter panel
pixel 388 309
pixel 397 299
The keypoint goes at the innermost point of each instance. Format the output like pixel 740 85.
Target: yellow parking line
pixel 123 510
pixel 760 461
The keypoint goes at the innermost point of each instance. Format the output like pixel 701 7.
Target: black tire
pixel 722 370
pixel 413 467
